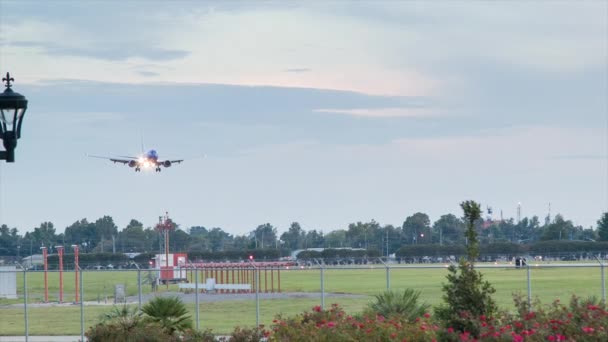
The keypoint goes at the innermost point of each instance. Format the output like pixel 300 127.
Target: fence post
pixel 388 274
pixel 603 286
pixel 322 268
pixel 529 289
pixel 257 297
pixel 196 299
pixel 256 275
pixel 603 280
pixel 27 328
pixel 138 287
pixel 81 307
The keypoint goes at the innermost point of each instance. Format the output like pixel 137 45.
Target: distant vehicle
pixel 147 160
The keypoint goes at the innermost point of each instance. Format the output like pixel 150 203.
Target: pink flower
pixel 588 330
pixel 316 308
pixel 517 337
pixel 331 324
pixel 427 315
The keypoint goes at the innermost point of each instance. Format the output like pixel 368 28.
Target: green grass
pixel 547 284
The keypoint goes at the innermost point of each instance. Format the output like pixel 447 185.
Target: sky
pixel 324 113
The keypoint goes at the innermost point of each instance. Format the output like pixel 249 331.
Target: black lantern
pixel 12 109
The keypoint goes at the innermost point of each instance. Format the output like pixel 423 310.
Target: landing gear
pixel 137 169
pixel 158 169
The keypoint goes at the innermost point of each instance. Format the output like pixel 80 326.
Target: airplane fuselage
pixel 145 161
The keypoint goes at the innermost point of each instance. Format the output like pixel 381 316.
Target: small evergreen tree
pixel 467 297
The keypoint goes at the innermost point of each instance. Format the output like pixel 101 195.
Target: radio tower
pixel 164 226
pixel 518 212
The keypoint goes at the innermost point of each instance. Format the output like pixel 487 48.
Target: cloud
pixel 401 112
pixel 148 73
pixel 581 157
pixel 108 52
pixel 297 70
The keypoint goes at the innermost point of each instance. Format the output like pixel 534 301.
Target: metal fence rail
pixel 83 288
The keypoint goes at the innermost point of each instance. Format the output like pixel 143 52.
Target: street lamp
pixel 12 109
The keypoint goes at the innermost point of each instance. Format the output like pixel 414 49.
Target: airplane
pixel 145 161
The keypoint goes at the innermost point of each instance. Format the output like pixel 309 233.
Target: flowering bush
pixel 335 325
pixel 580 320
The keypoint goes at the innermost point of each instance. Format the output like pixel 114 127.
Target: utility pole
pixel 518 212
pixel 387 243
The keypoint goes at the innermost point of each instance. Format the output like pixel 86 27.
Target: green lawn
pixel 546 283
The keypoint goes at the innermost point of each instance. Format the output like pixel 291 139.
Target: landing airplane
pixel 145 161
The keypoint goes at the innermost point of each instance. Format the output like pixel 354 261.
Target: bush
pixel 581 320
pixel 247 335
pixel 335 325
pixel 168 312
pixel 399 305
pixel 113 332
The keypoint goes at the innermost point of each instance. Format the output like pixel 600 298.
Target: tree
pixel 265 236
pixel 314 239
pixel 81 233
pixel 218 239
pixel 198 231
pixel 179 241
pixel 416 229
pixel 133 237
pixel 294 236
pixel 356 235
pixel 602 227
pixel 448 229
pixel 105 229
pixel 9 240
pixel 466 296
pixel 44 235
pixel 559 229
pixel 335 238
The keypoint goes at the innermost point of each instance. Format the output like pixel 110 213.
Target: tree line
pixel 104 236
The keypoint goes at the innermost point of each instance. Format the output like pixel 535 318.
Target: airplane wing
pixel 115 160
pixel 168 163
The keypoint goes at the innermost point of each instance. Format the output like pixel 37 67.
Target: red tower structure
pixel 164 226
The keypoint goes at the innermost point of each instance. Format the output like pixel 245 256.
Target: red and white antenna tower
pixel 164 226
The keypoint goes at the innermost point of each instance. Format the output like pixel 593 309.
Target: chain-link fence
pixel 223 296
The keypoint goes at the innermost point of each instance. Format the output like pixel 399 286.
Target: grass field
pixel 546 283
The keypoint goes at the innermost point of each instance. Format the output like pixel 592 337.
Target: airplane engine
pixel 132 163
pixel 167 163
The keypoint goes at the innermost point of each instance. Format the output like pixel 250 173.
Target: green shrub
pixel 114 332
pixel 247 335
pixel 399 304
pixel 169 312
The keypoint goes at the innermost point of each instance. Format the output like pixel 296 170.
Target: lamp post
pixel 12 109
